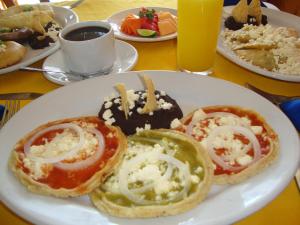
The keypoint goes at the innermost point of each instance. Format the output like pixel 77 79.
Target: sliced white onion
pixel 191 125
pixel 150 156
pixel 166 176
pixel 73 151
pixel 90 160
pixel 235 129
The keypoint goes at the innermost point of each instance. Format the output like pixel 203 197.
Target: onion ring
pixel 236 129
pixel 90 160
pixel 189 129
pixel 55 159
pixel 124 171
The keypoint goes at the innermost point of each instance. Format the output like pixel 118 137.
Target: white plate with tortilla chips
pixel 223 205
pixel 63 17
pixel 275 18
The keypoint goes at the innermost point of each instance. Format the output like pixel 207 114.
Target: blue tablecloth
pixel 1 111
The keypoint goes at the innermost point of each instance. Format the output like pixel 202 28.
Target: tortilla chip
pixel 240 12
pixel 255 10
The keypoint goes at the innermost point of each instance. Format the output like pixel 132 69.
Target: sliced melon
pixel 166 27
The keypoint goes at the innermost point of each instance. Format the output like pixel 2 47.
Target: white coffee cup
pixel 89 57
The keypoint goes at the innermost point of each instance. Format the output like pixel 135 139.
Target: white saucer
pixel 126 59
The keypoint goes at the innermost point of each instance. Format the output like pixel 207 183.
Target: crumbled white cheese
pixel 162 104
pixel 257 129
pixel 244 160
pixel 131 98
pixel 139 110
pixel 151 171
pixel 117 100
pixel 53 31
pixel 198 170
pixel 35 168
pixel 107 114
pixel 60 145
pixel 108 104
pixel 110 121
pixel 162 93
pixel 282 43
pixel 198 115
pixel 147 126
pixel 175 123
pixel 195 179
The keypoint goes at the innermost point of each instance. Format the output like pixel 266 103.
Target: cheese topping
pixel 280 43
pixel 60 144
pixel 153 179
pixel 232 147
pixel 53 31
pixel 130 103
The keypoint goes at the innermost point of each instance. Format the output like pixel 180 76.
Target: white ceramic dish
pixel 64 17
pixel 116 19
pixel 126 54
pixel 275 18
pixel 224 204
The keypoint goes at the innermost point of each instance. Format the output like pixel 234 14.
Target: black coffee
pixel 85 33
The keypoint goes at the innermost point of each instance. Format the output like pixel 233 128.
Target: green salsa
pixel 182 151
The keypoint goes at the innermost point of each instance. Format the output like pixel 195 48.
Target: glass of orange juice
pixel 198 30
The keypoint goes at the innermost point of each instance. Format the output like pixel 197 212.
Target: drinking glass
pixel 198 30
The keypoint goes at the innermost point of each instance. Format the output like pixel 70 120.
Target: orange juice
pixel 198 29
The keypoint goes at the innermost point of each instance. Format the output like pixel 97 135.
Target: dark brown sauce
pixel 86 33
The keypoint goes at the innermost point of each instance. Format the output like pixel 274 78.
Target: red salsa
pixel 59 178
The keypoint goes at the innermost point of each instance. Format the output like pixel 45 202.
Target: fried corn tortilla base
pixel 82 189
pixel 103 204
pixel 254 168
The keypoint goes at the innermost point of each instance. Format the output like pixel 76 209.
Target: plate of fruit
pixel 145 24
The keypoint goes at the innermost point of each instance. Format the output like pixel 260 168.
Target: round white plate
pixel 127 57
pixel 224 204
pixel 116 19
pixel 64 17
pixel 275 18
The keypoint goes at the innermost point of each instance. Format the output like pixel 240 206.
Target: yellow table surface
pixel 284 209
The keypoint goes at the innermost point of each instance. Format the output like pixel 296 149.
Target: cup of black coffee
pixel 88 47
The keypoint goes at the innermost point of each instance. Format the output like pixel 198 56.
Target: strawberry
pixel 149 19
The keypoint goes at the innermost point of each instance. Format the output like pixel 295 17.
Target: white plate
pixel 64 17
pixel 224 204
pixel 275 18
pixel 127 57
pixel 116 19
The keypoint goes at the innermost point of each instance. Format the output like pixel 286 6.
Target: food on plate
pixel 68 157
pixel 243 14
pixel 18 35
pixel 137 110
pixel 11 53
pixel 276 49
pixel 163 173
pixel 149 23
pixel 238 140
pixel 34 20
pixel 27 8
pixel 32 24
